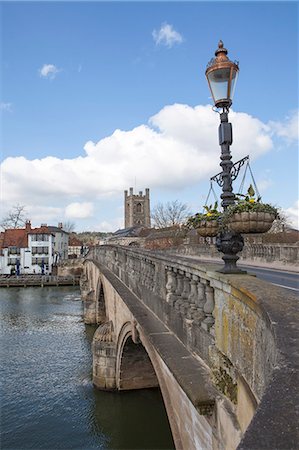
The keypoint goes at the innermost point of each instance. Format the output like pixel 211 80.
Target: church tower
pixel 137 209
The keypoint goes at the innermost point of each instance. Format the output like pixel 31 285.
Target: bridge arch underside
pixel 134 367
pixel 93 295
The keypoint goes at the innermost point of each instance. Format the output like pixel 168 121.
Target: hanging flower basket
pixel 208 228
pixel 251 222
pixel 249 215
pixel 207 224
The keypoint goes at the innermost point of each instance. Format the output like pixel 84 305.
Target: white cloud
pixel 49 71
pixel 111 225
pixel 5 106
pixel 264 184
pixel 78 210
pixel 43 214
pixel 178 148
pixel 292 214
pixel 167 36
pixel 288 129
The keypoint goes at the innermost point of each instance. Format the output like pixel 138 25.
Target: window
pixel 14 251
pixel 40 250
pixel 40 237
pixel 39 261
pixel 139 207
pixel 12 261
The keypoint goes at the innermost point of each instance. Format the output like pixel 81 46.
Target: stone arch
pixel 100 306
pixel 128 338
pixel 134 369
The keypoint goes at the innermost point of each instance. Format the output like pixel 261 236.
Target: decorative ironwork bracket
pixel 234 171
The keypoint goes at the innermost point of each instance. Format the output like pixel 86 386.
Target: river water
pixel 48 400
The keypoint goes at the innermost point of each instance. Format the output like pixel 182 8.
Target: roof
pixel 136 231
pixel 40 230
pixel 54 229
pixel 16 237
pixel 74 242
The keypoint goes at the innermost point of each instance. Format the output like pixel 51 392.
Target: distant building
pixel 133 236
pixel 26 250
pixel 61 242
pixel 137 209
pixel 75 247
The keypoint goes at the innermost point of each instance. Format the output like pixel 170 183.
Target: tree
pixel 68 226
pixel 170 214
pixel 280 223
pixel 15 217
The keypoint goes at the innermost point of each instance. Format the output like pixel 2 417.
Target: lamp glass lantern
pixel 222 75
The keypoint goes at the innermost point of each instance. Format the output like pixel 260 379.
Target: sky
pixel 97 97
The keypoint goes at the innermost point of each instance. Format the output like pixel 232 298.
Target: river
pixel 48 400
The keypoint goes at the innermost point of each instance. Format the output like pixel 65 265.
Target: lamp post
pixel 222 75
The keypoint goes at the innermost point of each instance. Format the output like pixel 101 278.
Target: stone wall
pixel 70 267
pixel 271 255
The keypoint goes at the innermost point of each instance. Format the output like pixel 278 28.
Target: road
pixel 288 280
pixel 282 278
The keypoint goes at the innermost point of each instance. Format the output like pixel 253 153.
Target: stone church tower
pixel 137 209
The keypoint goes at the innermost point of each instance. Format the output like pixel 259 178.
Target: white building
pixel 61 242
pixel 26 251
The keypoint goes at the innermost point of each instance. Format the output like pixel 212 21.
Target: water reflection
pixel 48 401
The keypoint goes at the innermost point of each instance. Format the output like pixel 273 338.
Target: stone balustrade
pixel 186 291
pixel 276 255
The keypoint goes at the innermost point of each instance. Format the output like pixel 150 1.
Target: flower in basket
pixel 207 223
pixel 250 215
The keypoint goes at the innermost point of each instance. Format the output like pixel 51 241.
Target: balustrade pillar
pixel 192 296
pixel 208 308
pixel 171 286
pixel 185 294
pixel 199 314
pixel 179 289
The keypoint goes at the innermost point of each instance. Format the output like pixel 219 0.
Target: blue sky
pixel 74 72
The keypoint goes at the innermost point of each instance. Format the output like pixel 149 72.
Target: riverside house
pixel 27 250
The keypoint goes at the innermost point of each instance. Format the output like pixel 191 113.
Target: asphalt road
pixel 288 280
pixel 282 278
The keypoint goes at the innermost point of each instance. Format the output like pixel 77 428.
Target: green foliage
pixel 248 203
pixel 197 219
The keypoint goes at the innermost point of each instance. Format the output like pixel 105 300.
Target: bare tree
pixel 280 223
pixel 15 218
pixel 170 214
pixel 68 226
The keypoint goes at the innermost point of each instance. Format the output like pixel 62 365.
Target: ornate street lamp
pixel 222 74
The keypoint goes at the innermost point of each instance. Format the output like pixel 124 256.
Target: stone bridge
pixel 222 348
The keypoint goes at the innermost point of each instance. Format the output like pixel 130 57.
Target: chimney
pixel 60 225
pixel 43 225
pixel 140 193
pixel 131 191
pixel 28 225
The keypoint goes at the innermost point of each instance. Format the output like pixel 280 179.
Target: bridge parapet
pixel 232 323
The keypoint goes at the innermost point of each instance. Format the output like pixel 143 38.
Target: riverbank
pixel 38 280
